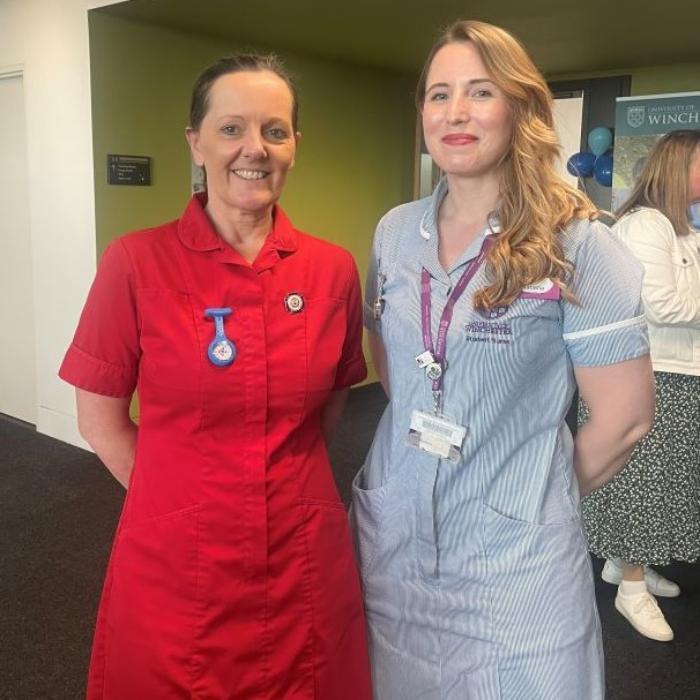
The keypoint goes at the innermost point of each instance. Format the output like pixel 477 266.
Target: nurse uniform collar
pixel 428 223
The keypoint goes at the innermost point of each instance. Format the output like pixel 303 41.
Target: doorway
pixel 17 351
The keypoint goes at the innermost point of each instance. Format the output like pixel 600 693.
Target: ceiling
pixel 563 36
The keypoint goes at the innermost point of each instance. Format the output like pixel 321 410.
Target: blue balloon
pixel 603 170
pixel 581 164
pixel 599 140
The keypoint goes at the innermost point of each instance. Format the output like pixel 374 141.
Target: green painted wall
pixel 680 77
pixel 355 160
pixel 683 77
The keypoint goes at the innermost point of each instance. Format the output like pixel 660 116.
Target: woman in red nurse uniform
pixel 232 574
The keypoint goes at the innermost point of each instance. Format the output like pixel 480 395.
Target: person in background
pixel 650 512
pixel 486 304
pixel 232 573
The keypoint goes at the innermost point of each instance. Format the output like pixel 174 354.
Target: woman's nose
pixel 254 147
pixel 458 110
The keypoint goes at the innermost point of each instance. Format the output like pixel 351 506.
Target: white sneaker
pixel 656 583
pixel 660 586
pixel 643 613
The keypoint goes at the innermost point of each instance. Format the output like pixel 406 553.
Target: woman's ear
pixel 192 136
pixel 297 139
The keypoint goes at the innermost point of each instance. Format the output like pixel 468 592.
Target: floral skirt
pixel 650 512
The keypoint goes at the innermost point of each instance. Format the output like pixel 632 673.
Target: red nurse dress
pixel 232 574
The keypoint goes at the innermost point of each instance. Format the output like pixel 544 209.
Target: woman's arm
pixel 650 236
pixel 332 412
pixel 620 399
pixel 378 354
pixel 105 424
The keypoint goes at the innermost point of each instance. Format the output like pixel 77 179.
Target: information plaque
pixel 128 170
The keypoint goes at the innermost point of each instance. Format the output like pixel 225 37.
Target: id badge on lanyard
pixel 435 432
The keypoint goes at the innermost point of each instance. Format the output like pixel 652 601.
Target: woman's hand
pixel 621 401
pixel 105 424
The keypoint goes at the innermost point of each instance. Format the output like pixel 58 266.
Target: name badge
pixel 544 289
pixel 436 435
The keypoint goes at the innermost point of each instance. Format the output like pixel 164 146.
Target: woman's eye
pixel 437 97
pixel 482 93
pixel 277 133
pixel 231 129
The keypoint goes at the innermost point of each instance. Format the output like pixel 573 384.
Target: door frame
pixel 8 73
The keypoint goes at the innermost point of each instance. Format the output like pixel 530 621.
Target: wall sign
pixel 128 170
pixel 639 122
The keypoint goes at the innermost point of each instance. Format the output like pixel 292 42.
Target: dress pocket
pixel 151 613
pixel 169 339
pixel 542 608
pixel 340 664
pixel 365 516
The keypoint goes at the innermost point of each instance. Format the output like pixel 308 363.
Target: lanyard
pixel 438 351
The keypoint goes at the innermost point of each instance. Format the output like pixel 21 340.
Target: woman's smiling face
pixel 246 141
pixel 467 120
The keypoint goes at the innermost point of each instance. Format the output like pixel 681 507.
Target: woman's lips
pixel 458 139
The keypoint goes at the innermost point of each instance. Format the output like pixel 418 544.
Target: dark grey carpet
pixel 58 511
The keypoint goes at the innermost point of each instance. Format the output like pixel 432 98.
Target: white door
pixel 568 117
pixel 17 354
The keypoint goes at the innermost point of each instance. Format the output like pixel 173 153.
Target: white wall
pixel 17 362
pixel 568 116
pixel 48 41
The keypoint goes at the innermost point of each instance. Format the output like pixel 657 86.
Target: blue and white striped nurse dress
pixel 477 580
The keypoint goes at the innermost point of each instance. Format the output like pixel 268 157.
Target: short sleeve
pixel 352 367
pixel 372 282
pixel 104 355
pixel 607 325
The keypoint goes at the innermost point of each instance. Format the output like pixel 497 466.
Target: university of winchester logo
pixel 635 116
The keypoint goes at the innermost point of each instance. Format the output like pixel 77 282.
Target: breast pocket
pixel 326 328
pixel 536 324
pixel 304 349
pixel 169 341
pixel 520 337
pixel 400 321
pixel 686 271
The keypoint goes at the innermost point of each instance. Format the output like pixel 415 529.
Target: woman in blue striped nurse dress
pixel 486 304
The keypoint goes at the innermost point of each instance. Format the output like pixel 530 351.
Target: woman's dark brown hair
pixel 237 63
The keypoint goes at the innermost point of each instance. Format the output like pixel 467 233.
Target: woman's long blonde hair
pixel 536 204
pixel 664 182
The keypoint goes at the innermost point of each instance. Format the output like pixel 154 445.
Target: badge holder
pixel 434 432
pixel 437 435
pixel 221 351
